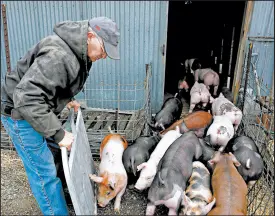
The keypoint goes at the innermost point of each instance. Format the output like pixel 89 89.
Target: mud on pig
pixel 174 170
pixel 247 153
pixel 198 198
pixel 222 106
pixel 112 179
pixel 229 188
pixel 219 133
pixel 197 121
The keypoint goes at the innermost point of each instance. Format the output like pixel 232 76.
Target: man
pixel 46 79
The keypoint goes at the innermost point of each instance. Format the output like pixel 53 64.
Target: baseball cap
pixel 107 30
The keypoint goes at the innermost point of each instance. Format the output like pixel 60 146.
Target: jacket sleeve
pixel 47 75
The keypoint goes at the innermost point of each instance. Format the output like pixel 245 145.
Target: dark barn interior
pixel 196 28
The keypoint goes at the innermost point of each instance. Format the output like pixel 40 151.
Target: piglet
pixel 247 153
pixel 174 170
pixel 198 197
pixel 199 93
pixel 229 188
pixel 192 65
pixel 169 113
pixel 112 179
pixel 222 106
pixel 149 168
pixel 219 132
pixel 209 78
pixel 139 152
pixel 197 121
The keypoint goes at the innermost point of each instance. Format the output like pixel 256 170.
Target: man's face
pixel 96 49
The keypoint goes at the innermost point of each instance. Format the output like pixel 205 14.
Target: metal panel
pixel 261 33
pixel 262 22
pixel 143 27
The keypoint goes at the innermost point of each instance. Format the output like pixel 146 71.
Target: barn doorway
pixel 196 30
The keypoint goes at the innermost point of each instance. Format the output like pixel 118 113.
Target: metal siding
pixel 143 30
pixel 262 22
pixel 262 25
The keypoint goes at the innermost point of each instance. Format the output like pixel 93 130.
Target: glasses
pixel 102 46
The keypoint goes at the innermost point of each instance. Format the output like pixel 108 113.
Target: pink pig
pixel 209 77
pixel 199 93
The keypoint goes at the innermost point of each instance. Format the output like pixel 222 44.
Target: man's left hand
pixel 73 104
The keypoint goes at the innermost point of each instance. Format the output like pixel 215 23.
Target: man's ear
pixel 90 34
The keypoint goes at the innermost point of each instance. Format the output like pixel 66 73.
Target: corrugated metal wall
pixel 143 28
pixel 261 33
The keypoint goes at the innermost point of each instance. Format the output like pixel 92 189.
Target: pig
pixel 192 65
pixel 149 168
pixel 174 170
pixel 227 94
pixel 169 113
pixel 112 179
pixel 186 83
pixel 182 84
pixel 222 106
pixel 219 132
pixel 247 153
pixel 199 93
pixel 197 121
pixel 209 77
pixel 229 188
pixel 139 152
pixel 198 197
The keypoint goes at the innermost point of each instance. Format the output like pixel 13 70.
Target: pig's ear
pixel 95 178
pixel 234 159
pixel 141 166
pixel 185 200
pixel 208 207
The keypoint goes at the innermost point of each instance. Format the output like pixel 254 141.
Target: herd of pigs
pixel 195 165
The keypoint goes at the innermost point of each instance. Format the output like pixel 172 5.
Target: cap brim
pixel 112 51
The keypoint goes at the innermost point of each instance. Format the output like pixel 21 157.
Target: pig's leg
pixel 221 148
pixel 118 199
pixel 192 106
pixel 204 104
pixel 215 90
pixel 172 212
pixel 236 127
pixel 150 209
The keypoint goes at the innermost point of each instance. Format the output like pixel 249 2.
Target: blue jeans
pixel 39 165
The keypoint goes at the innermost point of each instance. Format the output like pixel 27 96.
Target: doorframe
pixel 238 71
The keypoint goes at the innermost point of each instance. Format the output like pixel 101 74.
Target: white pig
pixel 149 168
pixel 222 106
pixel 112 179
pixel 199 93
pixel 219 132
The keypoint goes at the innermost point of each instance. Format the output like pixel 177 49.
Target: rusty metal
pixel 247 72
pixel 6 37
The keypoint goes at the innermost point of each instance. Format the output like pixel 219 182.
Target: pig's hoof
pixel 117 210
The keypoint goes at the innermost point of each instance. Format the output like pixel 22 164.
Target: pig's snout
pixel 102 202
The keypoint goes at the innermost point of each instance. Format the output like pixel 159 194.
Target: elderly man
pixel 46 79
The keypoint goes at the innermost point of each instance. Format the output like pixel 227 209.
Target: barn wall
pixel 143 28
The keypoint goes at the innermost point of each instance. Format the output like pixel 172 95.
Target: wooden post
pixel 238 72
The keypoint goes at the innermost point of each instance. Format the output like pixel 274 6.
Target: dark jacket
pixel 48 77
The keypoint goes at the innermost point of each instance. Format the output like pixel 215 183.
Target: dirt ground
pixel 17 198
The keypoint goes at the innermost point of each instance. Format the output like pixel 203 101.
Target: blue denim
pixel 39 165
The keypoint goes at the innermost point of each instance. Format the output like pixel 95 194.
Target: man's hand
pixel 67 140
pixel 73 104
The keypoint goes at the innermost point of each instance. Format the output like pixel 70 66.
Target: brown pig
pixel 112 179
pixel 196 121
pixel 229 188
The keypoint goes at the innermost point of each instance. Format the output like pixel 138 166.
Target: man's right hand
pixel 67 140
